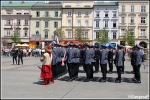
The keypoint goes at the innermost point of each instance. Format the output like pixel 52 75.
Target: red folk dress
pixel 46 71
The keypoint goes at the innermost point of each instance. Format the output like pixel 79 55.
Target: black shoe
pixel 117 81
pixel 102 80
pixel 70 80
pixel 132 72
pixel 138 81
pixel 86 80
pixel 109 72
pixel 134 80
pixel 122 73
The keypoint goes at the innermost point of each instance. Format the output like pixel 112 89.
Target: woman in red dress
pixel 46 71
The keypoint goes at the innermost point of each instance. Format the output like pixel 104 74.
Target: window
pixel 97 14
pixel 78 22
pixel 106 14
pixel 132 30
pixel 123 8
pixel 56 13
pixel 86 35
pixel 46 24
pixel 97 23
pixel 46 34
pixel 69 23
pixel 114 35
pixel 69 14
pixel 114 14
pixel 122 32
pixel 114 23
pixel 7 32
pixel 143 32
pixel 79 13
pixel 122 19
pixel 106 23
pixel 37 32
pixel 25 33
pixel 143 8
pixel 37 24
pixel 18 32
pixel 86 23
pixel 8 22
pixel 55 24
pixel 142 19
pixel 46 13
pixel 132 8
pixel 18 21
pixel 86 13
pixel 131 19
pixel 37 14
pixel 26 22
pixel 69 34
pixel 97 35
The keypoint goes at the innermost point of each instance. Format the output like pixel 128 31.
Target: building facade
pixel 105 15
pixel 76 14
pixel 16 16
pixel 46 18
pixel 134 15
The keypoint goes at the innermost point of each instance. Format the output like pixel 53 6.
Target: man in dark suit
pixel 110 59
pixel 14 55
pixel 20 55
pixel 97 55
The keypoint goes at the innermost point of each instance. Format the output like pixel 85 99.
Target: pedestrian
pixel 137 64
pixel 110 59
pixel 103 62
pixel 14 55
pixel 132 58
pixel 46 71
pixel 122 69
pixel 97 56
pixel 119 62
pixel 20 55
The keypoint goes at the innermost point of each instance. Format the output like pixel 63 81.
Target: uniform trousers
pixel 122 67
pixel 110 63
pixel 15 58
pixel 59 69
pixel 89 71
pixel 104 70
pixel 75 69
pixel 54 70
pixel 96 64
pixel 119 72
pixel 137 72
pixel 70 70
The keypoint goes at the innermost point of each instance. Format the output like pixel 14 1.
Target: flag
pixel 56 40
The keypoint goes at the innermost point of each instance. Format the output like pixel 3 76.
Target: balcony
pixel 142 25
pixel 67 26
pixel 120 37
pixel 131 24
pixel 142 37
pixel 122 24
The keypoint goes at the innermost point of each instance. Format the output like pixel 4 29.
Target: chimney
pixel 10 2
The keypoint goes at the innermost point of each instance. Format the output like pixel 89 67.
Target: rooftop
pixel 18 5
pixel 47 5
pixel 105 3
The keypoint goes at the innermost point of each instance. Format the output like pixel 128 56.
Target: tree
pixel 79 34
pixel 60 33
pixel 129 38
pixel 15 37
pixel 102 36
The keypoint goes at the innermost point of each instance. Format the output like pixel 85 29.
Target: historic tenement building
pixel 135 16
pixel 105 16
pixel 16 16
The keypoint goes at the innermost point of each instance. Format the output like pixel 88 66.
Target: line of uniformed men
pixel 88 56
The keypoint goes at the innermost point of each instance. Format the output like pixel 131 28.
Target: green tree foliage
pixel 102 36
pixel 79 34
pixel 129 38
pixel 60 33
pixel 15 37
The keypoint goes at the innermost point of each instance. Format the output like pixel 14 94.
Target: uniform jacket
pixel 70 55
pixel 97 55
pixel 54 57
pixel 110 55
pixel 119 58
pixel 88 56
pixel 76 55
pixel 138 57
pixel 104 56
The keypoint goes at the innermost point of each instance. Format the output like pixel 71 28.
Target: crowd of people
pixel 60 59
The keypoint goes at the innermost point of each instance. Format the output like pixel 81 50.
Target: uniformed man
pixel 14 55
pixel 119 62
pixel 132 58
pixel 110 59
pixel 88 60
pixel 137 64
pixel 97 56
pixel 103 62
pixel 122 70
pixel 70 62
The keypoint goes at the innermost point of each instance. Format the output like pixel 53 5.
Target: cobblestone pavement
pixel 22 81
